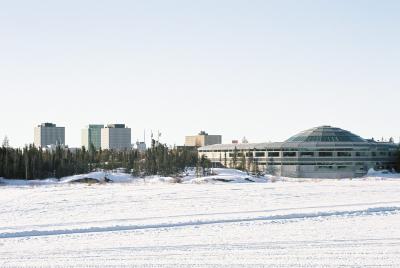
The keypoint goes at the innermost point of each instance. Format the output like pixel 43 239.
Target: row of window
pixel 288 149
pixel 357 165
pixel 311 154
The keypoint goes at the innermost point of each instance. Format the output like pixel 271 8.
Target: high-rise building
pixel 202 139
pixel 49 134
pixel 91 135
pixel 116 137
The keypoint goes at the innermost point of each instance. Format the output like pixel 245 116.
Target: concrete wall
pixel 44 136
pixel 116 138
pixel 305 167
pixel 85 138
pixel 202 140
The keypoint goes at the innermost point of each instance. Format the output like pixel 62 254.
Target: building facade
pixel 202 139
pixel 92 135
pixel 321 152
pixel 116 137
pixel 48 134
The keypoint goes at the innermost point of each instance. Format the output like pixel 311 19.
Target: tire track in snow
pixel 118 228
pixel 229 213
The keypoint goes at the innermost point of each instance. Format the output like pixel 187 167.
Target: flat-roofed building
pixel 202 139
pixel 116 137
pixel 49 134
pixel 91 135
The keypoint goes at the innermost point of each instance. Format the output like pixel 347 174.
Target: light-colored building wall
pixel 345 162
pixel 85 138
pixel 116 138
pixel 203 139
pixel 49 134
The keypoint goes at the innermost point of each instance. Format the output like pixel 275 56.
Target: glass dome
pixel 325 134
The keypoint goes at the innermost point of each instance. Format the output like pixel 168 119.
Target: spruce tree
pixel 6 142
pixel 271 169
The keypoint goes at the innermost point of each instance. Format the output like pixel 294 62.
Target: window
pixel 325 167
pixel 373 153
pixel 260 154
pixel 382 153
pixel 325 154
pixel 361 154
pixel 249 154
pixel 273 154
pixel 309 154
pixel 289 154
pixel 343 154
pixel 344 167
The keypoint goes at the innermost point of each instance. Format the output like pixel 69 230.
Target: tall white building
pixel 49 134
pixel 116 137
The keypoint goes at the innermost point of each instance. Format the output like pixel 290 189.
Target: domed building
pixel 320 152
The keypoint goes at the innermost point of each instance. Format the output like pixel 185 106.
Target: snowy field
pixel 201 222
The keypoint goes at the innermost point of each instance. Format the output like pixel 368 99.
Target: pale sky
pixel 261 69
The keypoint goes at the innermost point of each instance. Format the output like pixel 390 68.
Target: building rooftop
pixel 47 125
pixel 116 126
pixel 321 137
pixel 325 134
pixel 95 126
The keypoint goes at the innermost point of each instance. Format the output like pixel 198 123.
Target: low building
pixel 91 135
pixel 202 139
pixel 116 137
pixel 321 152
pixel 141 146
pixel 48 134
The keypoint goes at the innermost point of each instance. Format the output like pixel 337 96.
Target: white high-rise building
pixel 116 137
pixel 49 134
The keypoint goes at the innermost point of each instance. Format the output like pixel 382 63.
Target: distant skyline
pixel 261 69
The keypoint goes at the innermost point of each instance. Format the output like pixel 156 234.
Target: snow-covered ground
pixel 202 222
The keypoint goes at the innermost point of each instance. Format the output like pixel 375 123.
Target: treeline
pixel 35 163
pixel 245 162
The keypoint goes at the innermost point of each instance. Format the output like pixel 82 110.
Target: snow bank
pixel 223 175
pixel 98 177
pixel 382 174
pixel 218 175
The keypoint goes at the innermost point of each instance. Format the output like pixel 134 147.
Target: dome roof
pixel 325 134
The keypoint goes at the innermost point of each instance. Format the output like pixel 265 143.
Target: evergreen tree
pixel 255 169
pixel 243 162
pixel 249 162
pixel 35 163
pixel 271 169
pixel 225 162
pixel 234 158
pixel 6 142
